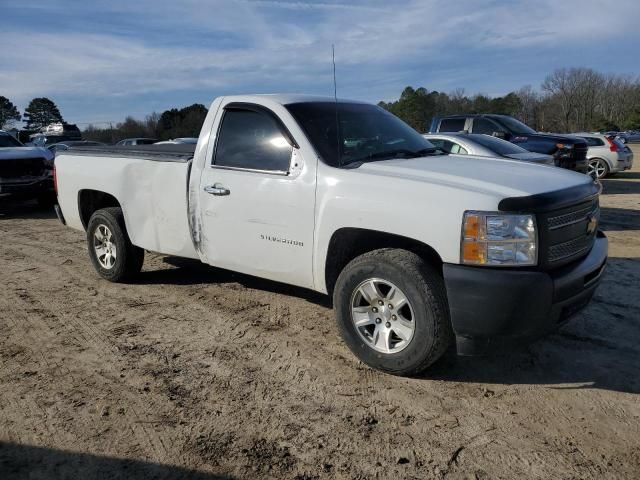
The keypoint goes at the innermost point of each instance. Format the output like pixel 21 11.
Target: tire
pixel 598 168
pixel 421 285
pixel 124 260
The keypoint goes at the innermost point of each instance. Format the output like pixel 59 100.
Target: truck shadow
pixel 598 348
pixel 620 184
pixel 25 461
pixel 28 209
pixel 619 219
pixel 193 272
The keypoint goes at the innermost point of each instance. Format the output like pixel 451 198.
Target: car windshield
pixel 9 141
pixel 515 126
pixel 496 145
pixel 366 133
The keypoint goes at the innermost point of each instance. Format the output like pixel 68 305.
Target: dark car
pixel 568 152
pixel 25 172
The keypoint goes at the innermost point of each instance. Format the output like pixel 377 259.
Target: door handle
pixel 217 189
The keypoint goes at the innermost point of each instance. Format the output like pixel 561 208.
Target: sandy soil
pixel 193 372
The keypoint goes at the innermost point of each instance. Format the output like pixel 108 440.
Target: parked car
pixel 632 136
pixel 568 152
pixel 179 141
pixel 136 141
pixel 344 198
pixel 485 146
pixel 59 147
pixel 25 172
pixel 606 155
pixel 55 133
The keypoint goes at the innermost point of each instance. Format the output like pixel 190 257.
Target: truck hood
pixel 555 137
pixel 17 153
pixel 496 177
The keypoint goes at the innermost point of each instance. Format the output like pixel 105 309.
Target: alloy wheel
pixel 382 315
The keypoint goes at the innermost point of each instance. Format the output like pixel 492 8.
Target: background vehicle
pixel 136 141
pixel 485 146
pixel 25 172
pixel 55 133
pixel 606 155
pixel 568 152
pixel 346 199
pixel 632 136
pixel 59 147
pixel 179 141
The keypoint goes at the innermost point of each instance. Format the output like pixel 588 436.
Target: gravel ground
pixel 194 372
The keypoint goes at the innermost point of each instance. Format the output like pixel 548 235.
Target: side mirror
pixel 502 135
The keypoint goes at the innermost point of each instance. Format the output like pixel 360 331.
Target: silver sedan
pixel 606 155
pixel 484 146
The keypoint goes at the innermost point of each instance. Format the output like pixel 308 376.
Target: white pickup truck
pixel 416 247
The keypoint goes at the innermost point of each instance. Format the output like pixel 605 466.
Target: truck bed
pixel 149 182
pixel 158 153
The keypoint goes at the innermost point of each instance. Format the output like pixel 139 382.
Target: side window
pixel 252 140
pixel 485 126
pixel 437 142
pixel 594 142
pixel 452 125
pixel 455 148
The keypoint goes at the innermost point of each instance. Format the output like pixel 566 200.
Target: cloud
pixel 128 49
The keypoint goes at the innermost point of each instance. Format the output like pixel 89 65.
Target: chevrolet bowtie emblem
pixel 592 224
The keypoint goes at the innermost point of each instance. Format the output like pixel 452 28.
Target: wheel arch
pixel 348 243
pixel 90 201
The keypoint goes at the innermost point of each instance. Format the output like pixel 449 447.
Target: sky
pixel 101 61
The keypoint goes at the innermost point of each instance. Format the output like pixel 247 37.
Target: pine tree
pixel 40 113
pixel 8 112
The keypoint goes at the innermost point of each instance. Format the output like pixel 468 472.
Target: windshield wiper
pixel 392 154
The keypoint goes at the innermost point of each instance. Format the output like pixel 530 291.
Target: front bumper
pixel 490 307
pixel 33 188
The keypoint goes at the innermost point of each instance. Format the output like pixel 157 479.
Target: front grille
pixel 24 167
pixel 568 249
pixel 569 218
pixel 565 235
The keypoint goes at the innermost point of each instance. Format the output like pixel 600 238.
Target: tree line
pixel 174 123
pixel 568 100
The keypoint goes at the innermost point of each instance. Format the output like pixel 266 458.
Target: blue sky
pixel 100 61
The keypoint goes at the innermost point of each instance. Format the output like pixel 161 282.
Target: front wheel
pixel 391 309
pixel 113 255
pixel 597 168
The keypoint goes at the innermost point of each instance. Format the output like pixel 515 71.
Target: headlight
pixel 498 240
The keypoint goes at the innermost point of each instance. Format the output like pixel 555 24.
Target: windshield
pixel 366 133
pixel 496 145
pixel 514 126
pixel 9 141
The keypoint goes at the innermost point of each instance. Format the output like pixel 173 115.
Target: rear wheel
pixel 392 311
pixel 113 255
pixel 598 168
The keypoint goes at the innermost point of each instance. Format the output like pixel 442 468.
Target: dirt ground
pixel 194 372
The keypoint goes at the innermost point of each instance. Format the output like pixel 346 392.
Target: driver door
pixel 257 197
